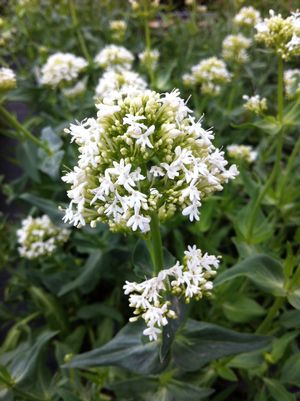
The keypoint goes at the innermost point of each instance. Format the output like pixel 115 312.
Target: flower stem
pixel 81 40
pixel 156 244
pixel 23 132
pixel 264 327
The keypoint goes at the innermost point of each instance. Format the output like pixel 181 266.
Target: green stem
pixel 156 250
pixel 264 327
pixel 81 40
pixel 22 130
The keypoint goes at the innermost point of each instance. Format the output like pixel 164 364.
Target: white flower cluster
pixel 149 59
pixel 190 280
pixel 210 74
pixel 62 68
pixel 242 152
pixel 114 84
pixel 7 79
pixel 143 154
pixel 118 29
pixel 114 57
pixel 280 34
pixel 292 82
pixel 234 48
pixel 74 91
pixel 247 17
pixel 40 237
pixel 255 104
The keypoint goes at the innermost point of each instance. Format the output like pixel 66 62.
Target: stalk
pixel 148 38
pixel 22 130
pixel 264 327
pixel 156 249
pixel 81 40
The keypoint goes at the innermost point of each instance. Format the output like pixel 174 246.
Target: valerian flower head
pixel 143 154
pixel 234 48
pixel 62 68
pixel 280 34
pixel 247 17
pixel 191 279
pixel 7 79
pixel 75 91
pixel 242 152
pixel 292 82
pixel 114 57
pixel 210 74
pixel 39 237
pixel 149 58
pixel 114 84
pixel 255 104
pixel 118 29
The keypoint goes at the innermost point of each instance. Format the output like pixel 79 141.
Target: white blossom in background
pixel 234 48
pixel 62 68
pixel 114 57
pixel 242 152
pixel 118 29
pixel 191 279
pixel 143 154
pixel 292 82
pixel 247 17
pixel 114 84
pixel 7 79
pixel 280 34
pixel 40 237
pixel 255 104
pixel 74 91
pixel 149 58
pixel 210 74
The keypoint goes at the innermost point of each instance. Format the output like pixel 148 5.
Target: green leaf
pixel 242 309
pixel 294 298
pixel 50 165
pixel 187 392
pixel 53 140
pixel 97 310
pixel 278 391
pixel 280 345
pixel 226 373
pixel 47 206
pixel 200 343
pixel 290 372
pixel 140 385
pixel 126 350
pixel 27 157
pixel 88 277
pixel 141 260
pixel 262 270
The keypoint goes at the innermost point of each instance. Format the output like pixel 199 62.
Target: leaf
pixel 242 309
pixel 187 392
pixel 294 298
pixel 278 391
pixel 140 385
pixel 264 271
pixel 99 310
pixel 47 206
pixel 89 275
pixel 126 350
pixel 280 344
pixel 53 140
pixel 200 343
pixel 141 260
pixel 27 157
pixel 50 165
pixel 290 372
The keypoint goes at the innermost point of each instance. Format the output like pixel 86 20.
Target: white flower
pixel 247 17
pixel 292 82
pixel 114 57
pixel 255 103
pixel 138 221
pixel 242 152
pixel 7 79
pixel 149 58
pixel 234 48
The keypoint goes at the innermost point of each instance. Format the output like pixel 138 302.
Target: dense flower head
pixel 143 154
pixel 247 17
pixel 210 74
pixel 280 34
pixel 7 79
pixel 292 82
pixel 149 58
pixel 118 29
pixel 191 279
pixel 114 57
pixel 136 5
pixel 114 84
pixel 62 68
pixel 234 48
pixel 74 91
pixel 39 237
pixel 255 104
pixel 242 152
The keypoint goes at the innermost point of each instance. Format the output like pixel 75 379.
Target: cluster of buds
pixel 40 237
pixel 234 48
pixel 114 57
pixel 191 279
pixel 143 154
pixel 210 74
pixel 149 59
pixel 255 104
pixel 242 152
pixel 144 5
pixel 292 82
pixel 280 34
pixel 114 84
pixel 61 69
pixel 7 79
pixel 247 17
pixel 118 29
